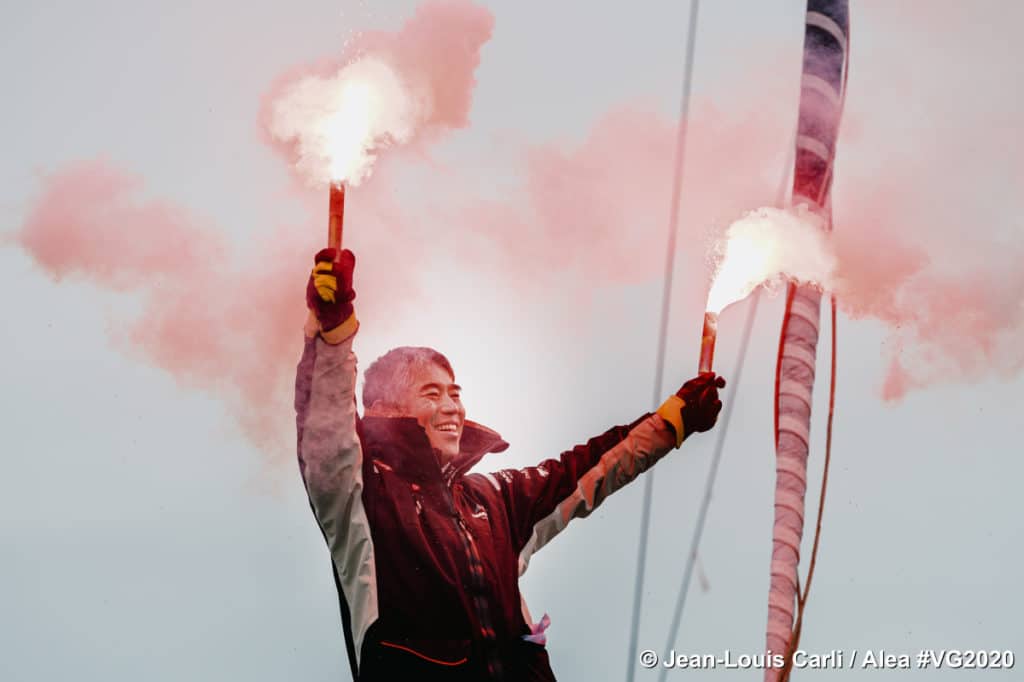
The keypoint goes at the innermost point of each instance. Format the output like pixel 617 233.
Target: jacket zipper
pixel 477 581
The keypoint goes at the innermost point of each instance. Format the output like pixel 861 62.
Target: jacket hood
pixel 402 444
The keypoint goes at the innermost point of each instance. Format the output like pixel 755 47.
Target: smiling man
pixel 427 556
pixel 418 383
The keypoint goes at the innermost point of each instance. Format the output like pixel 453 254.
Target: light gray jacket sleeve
pixel 330 459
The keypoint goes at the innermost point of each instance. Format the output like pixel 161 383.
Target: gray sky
pixel 143 538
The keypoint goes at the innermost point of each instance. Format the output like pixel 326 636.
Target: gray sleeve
pixel 330 459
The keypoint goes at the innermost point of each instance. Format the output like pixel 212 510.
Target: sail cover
pixel 821 97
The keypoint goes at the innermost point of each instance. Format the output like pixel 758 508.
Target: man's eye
pixel 433 395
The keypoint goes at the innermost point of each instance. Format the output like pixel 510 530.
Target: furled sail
pixel 821 97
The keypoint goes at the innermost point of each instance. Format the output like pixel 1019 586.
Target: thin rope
pixel 666 296
pixel 706 502
pixel 723 431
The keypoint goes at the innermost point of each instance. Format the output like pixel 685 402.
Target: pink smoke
pixel 599 208
pixel 90 220
pixel 923 248
pixel 212 320
pixel 927 227
pixel 425 70
pixel 232 327
pixel 213 323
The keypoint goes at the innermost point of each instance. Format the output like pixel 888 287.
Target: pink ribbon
pixel 537 635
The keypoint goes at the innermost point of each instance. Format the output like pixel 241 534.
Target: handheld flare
pixel 707 342
pixel 336 216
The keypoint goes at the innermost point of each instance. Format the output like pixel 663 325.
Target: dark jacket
pixel 427 561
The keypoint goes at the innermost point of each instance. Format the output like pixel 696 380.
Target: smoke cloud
pixel 89 220
pixel 919 242
pixel 766 246
pixel 599 208
pixel 928 234
pixel 212 323
pixel 331 120
pixel 926 238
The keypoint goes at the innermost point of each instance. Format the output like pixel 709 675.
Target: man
pixel 427 556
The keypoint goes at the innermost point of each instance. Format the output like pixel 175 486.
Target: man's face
pixel 436 404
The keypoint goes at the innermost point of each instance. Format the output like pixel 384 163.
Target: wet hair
pixel 388 378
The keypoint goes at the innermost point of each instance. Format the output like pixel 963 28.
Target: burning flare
pixel 340 123
pixel 332 119
pixel 766 246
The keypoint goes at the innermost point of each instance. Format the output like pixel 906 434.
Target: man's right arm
pixel 331 460
pixel 330 456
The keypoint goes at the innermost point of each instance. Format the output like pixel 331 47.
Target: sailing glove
pixel 329 293
pixel 695 407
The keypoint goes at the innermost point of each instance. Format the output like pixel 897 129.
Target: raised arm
pixel 330 456
pixel 543 499
pixel 325 383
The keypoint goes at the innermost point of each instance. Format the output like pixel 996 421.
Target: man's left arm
pixel 543 499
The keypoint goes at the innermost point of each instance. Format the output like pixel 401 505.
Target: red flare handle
pixel 336 216
pixel 707 342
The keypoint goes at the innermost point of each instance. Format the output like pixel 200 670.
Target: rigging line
pixel 723 430
pixel 666 295
pixel 706 502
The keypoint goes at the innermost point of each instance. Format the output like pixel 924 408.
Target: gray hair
pixel 388 378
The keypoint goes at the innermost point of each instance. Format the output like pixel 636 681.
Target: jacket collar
pixel 402 444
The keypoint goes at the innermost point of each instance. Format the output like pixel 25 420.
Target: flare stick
pixel 707 342
pixel 336 216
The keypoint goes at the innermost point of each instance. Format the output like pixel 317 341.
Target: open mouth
pixel 448 429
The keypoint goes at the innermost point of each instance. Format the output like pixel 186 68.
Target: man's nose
pixel 449 406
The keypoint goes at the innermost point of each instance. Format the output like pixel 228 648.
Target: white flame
pixel 339 124
pixel 766 246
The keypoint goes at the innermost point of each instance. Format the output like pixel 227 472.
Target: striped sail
pixel 821 96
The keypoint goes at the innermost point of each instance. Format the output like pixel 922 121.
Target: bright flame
pixel 766 246
pixel 339 124
pixel 345 131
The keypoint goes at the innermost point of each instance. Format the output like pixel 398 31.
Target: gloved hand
pixel 329 292
pixel 695 407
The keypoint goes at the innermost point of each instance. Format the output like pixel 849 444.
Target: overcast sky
pixel 144 537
